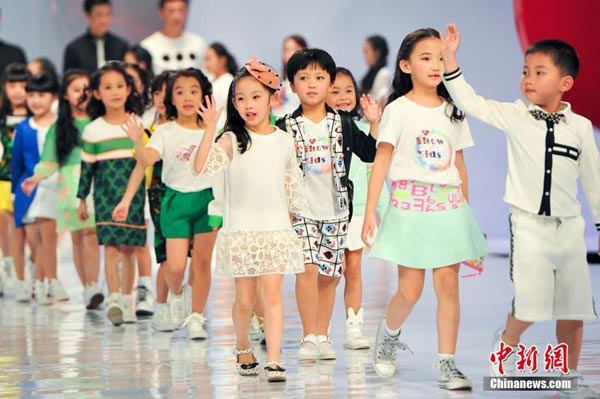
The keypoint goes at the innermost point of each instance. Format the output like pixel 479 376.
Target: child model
pixel 325 141
pixel 428 224
pixel 185 207
pixel 107 162
pixel 549 146
pixel 263 185
pixel 62 153
pixel 39 211
pixel 13 111
pixel 344 96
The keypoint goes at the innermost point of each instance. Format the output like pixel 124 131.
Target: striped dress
pixel 107 162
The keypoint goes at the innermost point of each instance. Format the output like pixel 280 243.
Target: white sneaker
pixel 195 326
pixel 308 348
pixel 254 328
pixel 450 377
pixel 186 293
pixel 41 294
pixel 354 338
pixel 7 272
pixel 161 319
pixel 128 312
pixel 22 293
pixel 95 297
pixel 176 310
pixel 384 354
pixel 114 311
pixel 582 390
pixel 325 348
pixel 144 302
pixel 509 364
pixel 56 291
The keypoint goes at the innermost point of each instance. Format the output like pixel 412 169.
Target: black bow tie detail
pixel 554 118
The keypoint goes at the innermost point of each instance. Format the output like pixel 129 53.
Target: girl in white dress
pixel 257 244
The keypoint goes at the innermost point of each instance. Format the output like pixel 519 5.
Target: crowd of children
pixel 302 194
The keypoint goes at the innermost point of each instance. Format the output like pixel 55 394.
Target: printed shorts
pixel 323 243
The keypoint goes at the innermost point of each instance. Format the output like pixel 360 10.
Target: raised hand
pixel 121 211
pixel 209 113
pixel 371 108
pixel 133 127
pixel 451 42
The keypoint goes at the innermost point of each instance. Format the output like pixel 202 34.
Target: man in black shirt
pixel 91 50
pixel 10 54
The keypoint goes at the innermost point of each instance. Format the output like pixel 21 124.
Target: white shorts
pixel 354 241
pixel 549 269
pixel 44 204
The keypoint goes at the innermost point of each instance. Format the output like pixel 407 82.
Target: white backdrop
pixel 490 54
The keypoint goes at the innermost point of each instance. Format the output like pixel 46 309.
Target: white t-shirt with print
pixel 175 53
pixel 177 147
pixel 425 141
pixel 318 174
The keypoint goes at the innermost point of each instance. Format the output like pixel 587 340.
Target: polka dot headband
pixel 264 73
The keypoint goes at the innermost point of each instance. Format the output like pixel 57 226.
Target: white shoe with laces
pixel 114 311
pixel 41 294
pixel 195 326
pixel 186 293
pixel 176 310
pixel 144 302
pixel 56 291
pixel 128 311
pixel 450 377
pixel 509 365
pixel 354 338
pixel 22 293
pixel 580 391
pixel 325 348
pixel 385 351
pixel 309 348
pixel 161 319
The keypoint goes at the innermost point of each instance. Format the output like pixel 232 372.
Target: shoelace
pixel 448 367
pixel 389 346
pixel 187 320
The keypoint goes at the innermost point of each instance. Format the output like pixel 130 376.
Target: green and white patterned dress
pixel 107 162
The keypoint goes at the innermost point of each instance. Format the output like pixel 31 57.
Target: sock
pixel 160 305
pixel 442 356
pixel 145 281
pixel 393 333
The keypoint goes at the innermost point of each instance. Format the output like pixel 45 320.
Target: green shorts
pixel 185 214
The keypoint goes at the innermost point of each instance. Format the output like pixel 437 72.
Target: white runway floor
pixel 64 351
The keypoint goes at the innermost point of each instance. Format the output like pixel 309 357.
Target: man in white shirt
pixel 171 47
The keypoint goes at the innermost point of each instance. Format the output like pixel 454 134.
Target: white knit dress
pixel 262 186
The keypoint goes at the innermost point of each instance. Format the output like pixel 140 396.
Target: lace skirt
pixel 256 253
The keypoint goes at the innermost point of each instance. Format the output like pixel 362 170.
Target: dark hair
pixel 160 80
pixel 15 72
pixel 88 5
pixel 310 57
pixel 42 83
pixel 300 41
pixel 221 50
pixel 96 108
pixel 161 3
pixel 380 47
pixel 235 123
pixel 146 80
pixel 562 54
pixel 142 55
pixel 67 135
pixel 357 111
pixel 402 82
pixel 197 74
pixel 47 66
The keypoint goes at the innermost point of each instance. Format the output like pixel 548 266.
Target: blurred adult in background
pixel 172 47
pixel 10 53
pixel 288 100
pixel 377 81
pixel 97 45
pixel 221 67
pixel 138 55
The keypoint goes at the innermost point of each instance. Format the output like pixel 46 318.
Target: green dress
pixel 68 180
pixel 106 164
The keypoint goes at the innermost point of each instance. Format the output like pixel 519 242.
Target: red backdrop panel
pixel 574 22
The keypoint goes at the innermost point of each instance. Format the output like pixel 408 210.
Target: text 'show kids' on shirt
pixel 318 172
pixel 423 151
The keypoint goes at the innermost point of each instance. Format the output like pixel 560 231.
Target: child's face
pixel 16 94
pixel 342 94
pixel 75 90
pixel 542 82
pixel 253 101
pixel 39 103
pixel 425 64
pixel 113 90
pixel 158 100
pixel 312 85
pixel 187 96
pixel 137 81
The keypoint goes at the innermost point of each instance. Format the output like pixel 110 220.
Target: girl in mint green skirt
pixel 428 224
